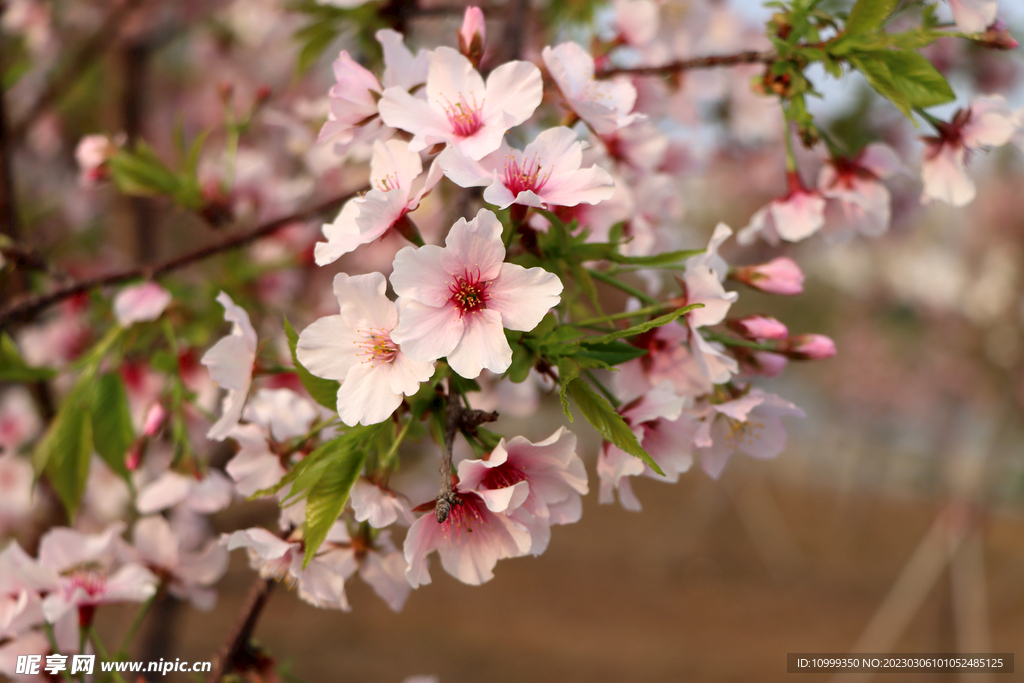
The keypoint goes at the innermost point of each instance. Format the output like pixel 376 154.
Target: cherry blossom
pixel 140 303
pixel 207 494
pixel 973 16
pixel 17 482
pixel 83 571
pixel 750 423
pixel 793 217
pixel 230 363
pixel 473 35
pixel 702 284
pixel 759 327
pixel 360 348
pixel 809 347
pixel 605 106
pixel 378 506
pixel 552 469
pixel 20 583
pixel 663 430
pixel 458 298
pixel 460 109
pixel 668 359
pixel 394 170
pixel 189 574
pixel 988 122
pixel 858 202
pixel 546 173
pixel 477 533
pixel 321 583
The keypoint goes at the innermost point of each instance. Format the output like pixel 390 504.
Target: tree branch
pixel 710 62
pixel 28 307
pixel 238 640
pixel 457 418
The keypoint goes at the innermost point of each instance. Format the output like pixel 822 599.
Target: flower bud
pixel 767 363
pixel 759 327
pixel 154 420
pixel 472 35
pixel 810 347
pixel 779 276
pixel 997 37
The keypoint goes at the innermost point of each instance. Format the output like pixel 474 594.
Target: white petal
pixel 427 333
pixel 327 348
pixel 365 396
pixel 418 275
pixel 523 296
pixel 474 247
pixel 514 88
pixel 482 345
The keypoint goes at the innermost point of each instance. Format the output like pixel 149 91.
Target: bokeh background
pixel 893 522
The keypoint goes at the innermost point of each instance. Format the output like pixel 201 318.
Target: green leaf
pixel 611 353
pixel 323 391
pixel 608 423
pixel 66 448
pixel 328 497
pixel 642 327
pixel 522 361
pixel 916 77
pixel 14 369
pixel 112 431
pixel 880 78
pixel 665 259
pixel 568 370
pixel 868 16
pixel 141 173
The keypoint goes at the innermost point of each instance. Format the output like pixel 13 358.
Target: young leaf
pixel 568 370
pixel 608 423
pixel 664 259
pixel 323 391
pixel 611 352
pixel 66 448
pixel 642 327
pixel 915 77
pixel 328 497
pixel 112 431
pixel 868 16
pixel 880 78
pixel 14 369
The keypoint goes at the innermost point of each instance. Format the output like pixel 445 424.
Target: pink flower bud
pixel 768 364
pixel 779 276
pixel 154 420
pixel 997 37
pixel 472 35
pixel 810 347
pixel 759 327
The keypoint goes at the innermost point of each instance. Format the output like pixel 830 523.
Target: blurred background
pixel 894 520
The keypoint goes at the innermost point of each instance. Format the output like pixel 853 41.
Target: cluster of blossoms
pixel 574 173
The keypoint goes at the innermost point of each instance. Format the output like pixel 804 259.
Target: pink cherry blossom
pixel 19 419
pixel 668 359
pixel 352 100
pixel 230 362
pixel 20 585
pixel 794 217
pixel 988 122
pixel 321 583
pixel 458 298
pixel 477 533
pixel 858 202
pixel 377 505
pixel 663 430
pixel 189 574
pixel 254 467
pixel 702 284
pixel 603 105
pixel 398 187
pixel 750 423
pixel 973 16
pixel 83 571
pixel 779 276
pixel 460 109
pixel 208 494
pixel 552 469
pixel 17 482
pixel 546 173
pixel 92 154
pixel 140 303
pixel 360 348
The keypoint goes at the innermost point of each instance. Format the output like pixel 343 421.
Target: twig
pixel 238 639
pixel 60 84
pixel 457 418
pixel 27 308
pixel 135 62
pixel 709 62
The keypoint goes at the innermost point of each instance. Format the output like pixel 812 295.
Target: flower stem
pixel 48 627
pixel 640 312
pixel 618 284
pixel 604 390
pixel 385 462
pixel 102 651
pixel 136 623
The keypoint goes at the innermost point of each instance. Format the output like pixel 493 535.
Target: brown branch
pixel 237 642
pixel 457 418
pixel 77 65
pixel 710 62
pixel 28 307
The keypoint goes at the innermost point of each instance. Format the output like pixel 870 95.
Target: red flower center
pixel 503 476
pixel 468 292
pixel 524 178
pixel 465 118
